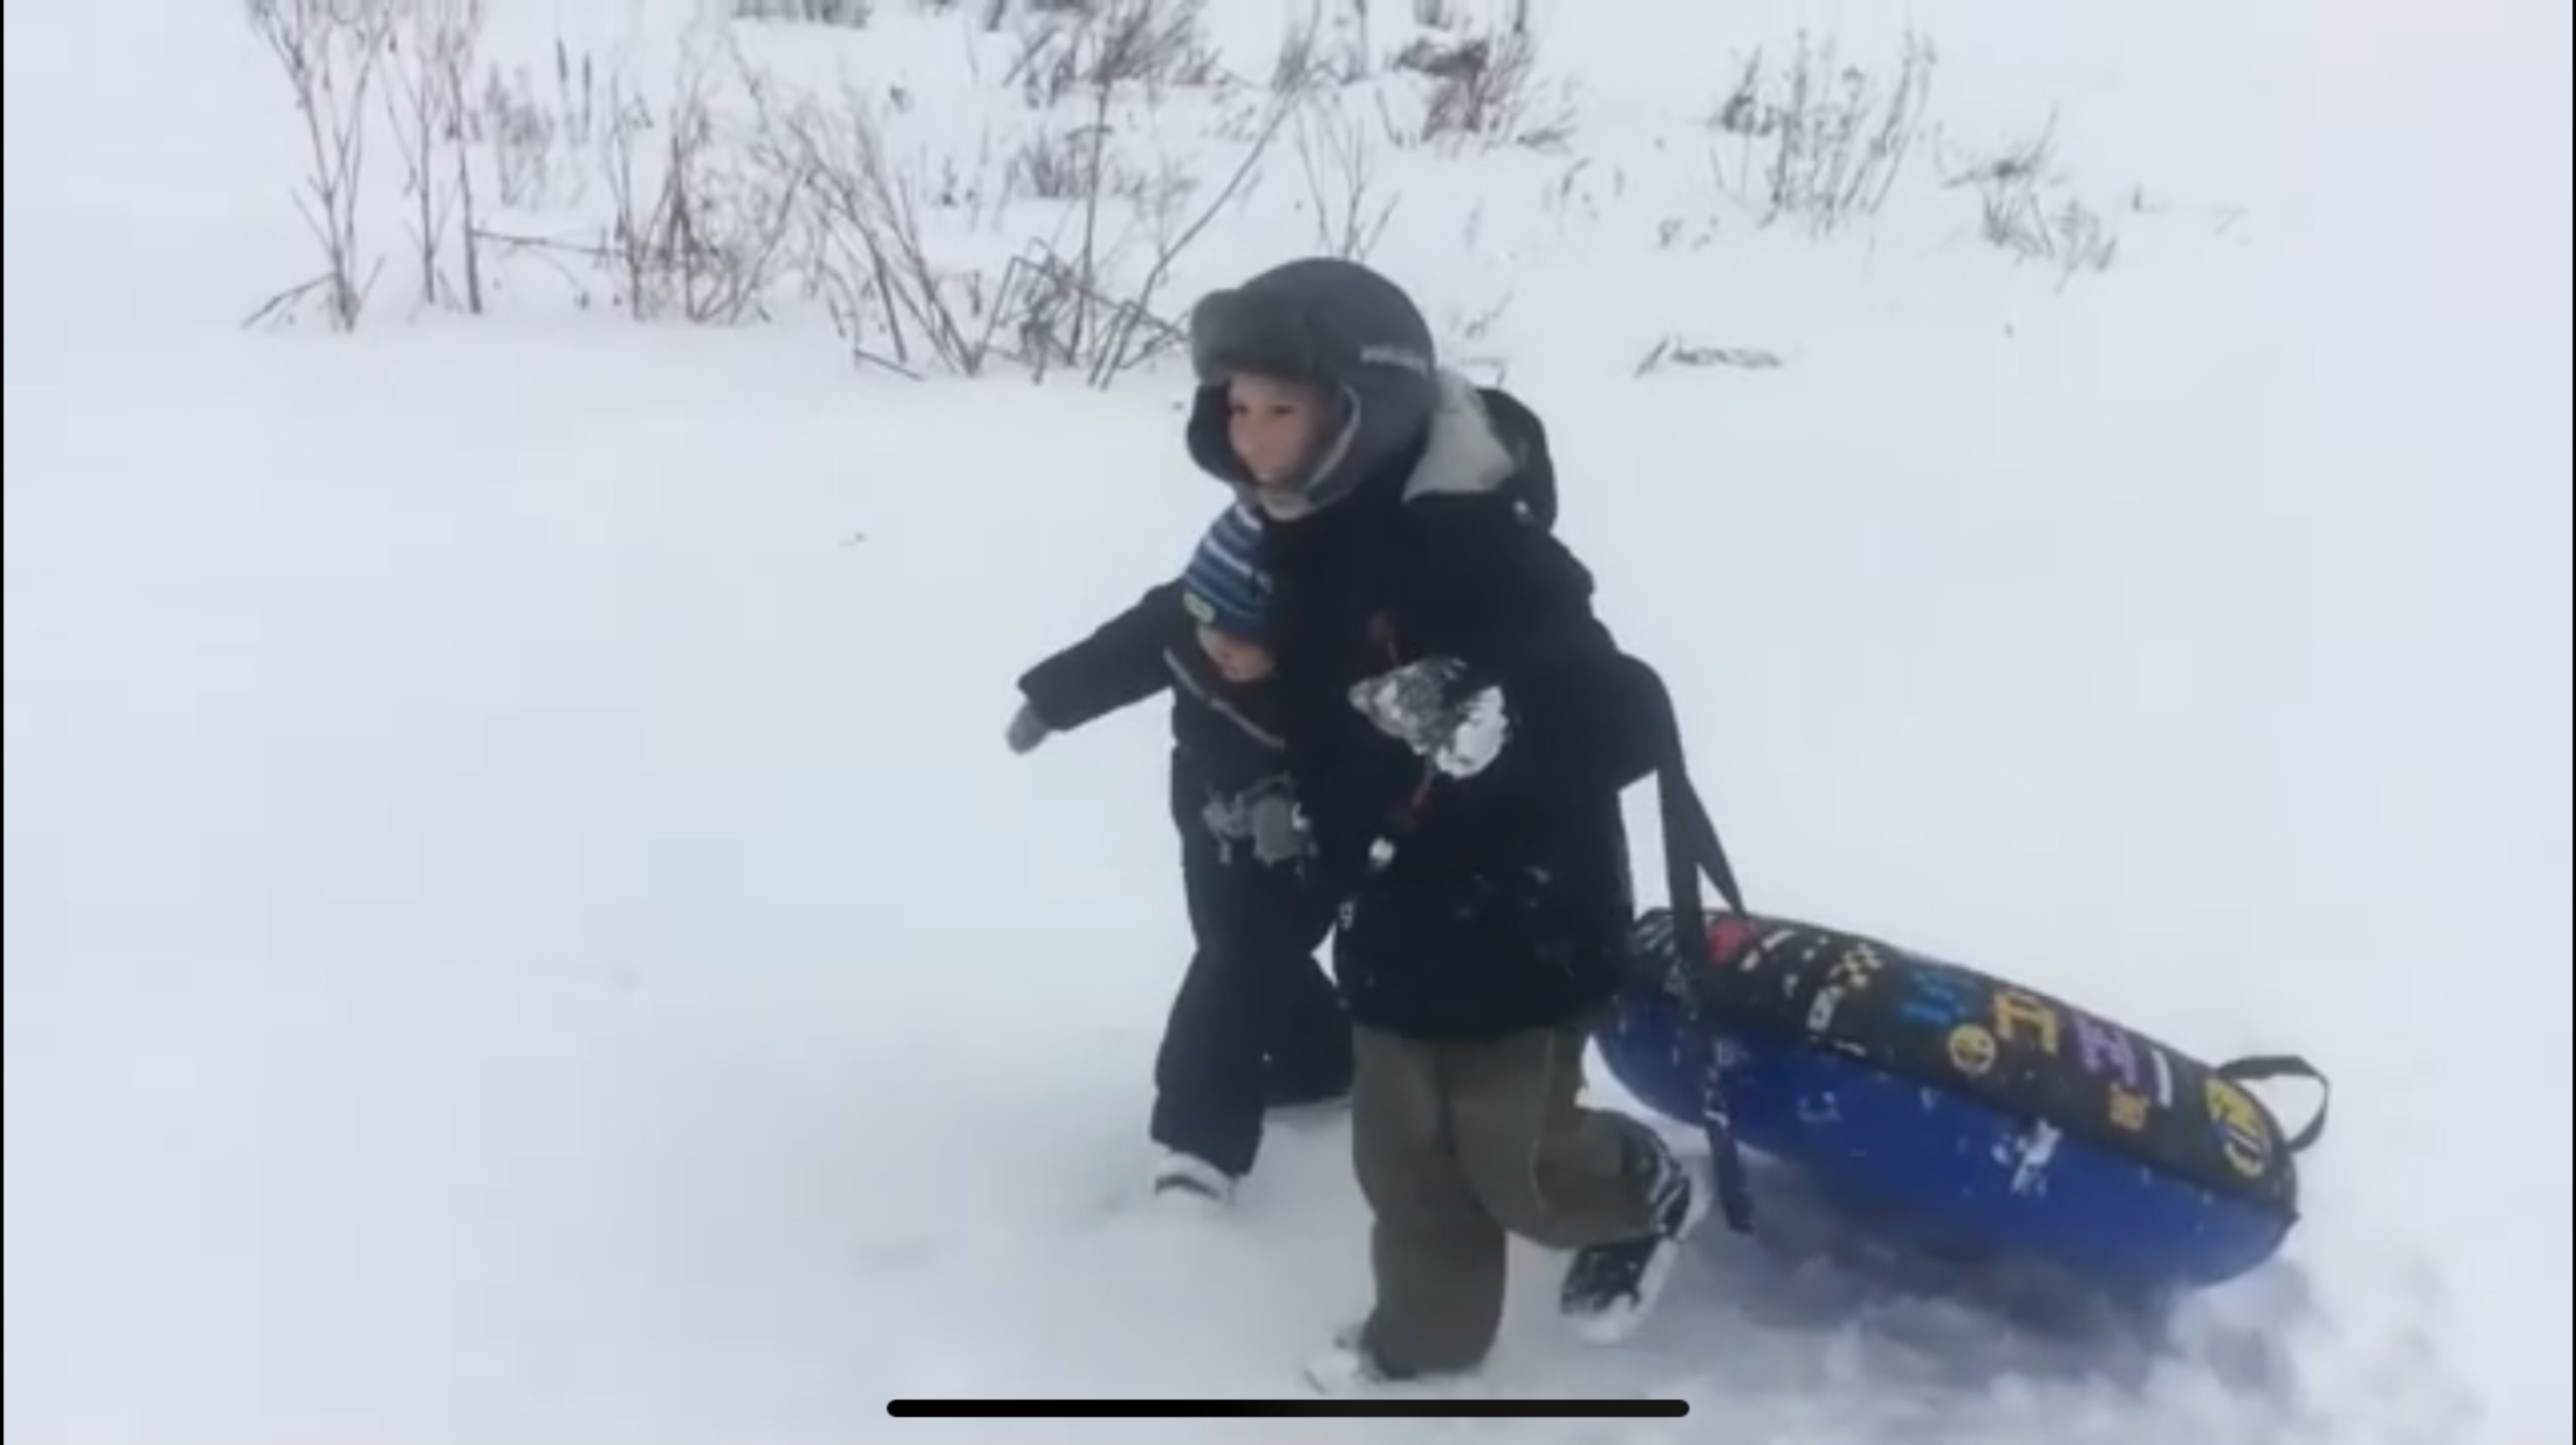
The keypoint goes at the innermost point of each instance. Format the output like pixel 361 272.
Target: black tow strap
pixel 2259 1067
pixel 1692 849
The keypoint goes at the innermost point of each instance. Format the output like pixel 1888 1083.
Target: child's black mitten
pixel 1027 729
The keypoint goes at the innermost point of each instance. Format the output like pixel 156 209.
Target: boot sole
pixel 1618 1325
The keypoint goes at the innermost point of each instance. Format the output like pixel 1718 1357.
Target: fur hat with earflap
pixel 1339 327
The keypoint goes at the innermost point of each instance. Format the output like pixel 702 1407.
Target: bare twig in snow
pixel 430 54
pixel 330 53
pixel 1333 152
pixel 1673 351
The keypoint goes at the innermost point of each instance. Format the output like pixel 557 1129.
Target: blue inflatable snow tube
pixel 1989 1118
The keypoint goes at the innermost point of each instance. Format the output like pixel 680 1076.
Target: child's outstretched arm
pixel 1118 665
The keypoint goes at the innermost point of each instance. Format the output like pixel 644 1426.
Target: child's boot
pixel 1189 1177
pixel 1611 1288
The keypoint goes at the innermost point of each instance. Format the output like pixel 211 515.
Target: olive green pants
pixel 1458 1146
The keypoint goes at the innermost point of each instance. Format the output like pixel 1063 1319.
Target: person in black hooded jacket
pixel 1459 727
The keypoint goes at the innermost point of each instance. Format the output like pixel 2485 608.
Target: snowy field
pixel 520 926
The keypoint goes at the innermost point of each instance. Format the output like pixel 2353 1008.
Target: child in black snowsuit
pixel 1256 1023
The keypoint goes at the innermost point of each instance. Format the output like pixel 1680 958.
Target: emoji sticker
pixel 2244 1136
pixel 1972 1050
pixel 2128 1110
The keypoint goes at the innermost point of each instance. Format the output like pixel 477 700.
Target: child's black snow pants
pixel 1257 1021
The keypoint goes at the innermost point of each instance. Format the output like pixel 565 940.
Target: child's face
pixel 1236 660
pixel 1272 426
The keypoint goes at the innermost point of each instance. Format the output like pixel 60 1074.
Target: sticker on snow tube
pixel 2019 1051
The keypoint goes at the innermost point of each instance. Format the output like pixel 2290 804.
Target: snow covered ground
pixel 520 926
